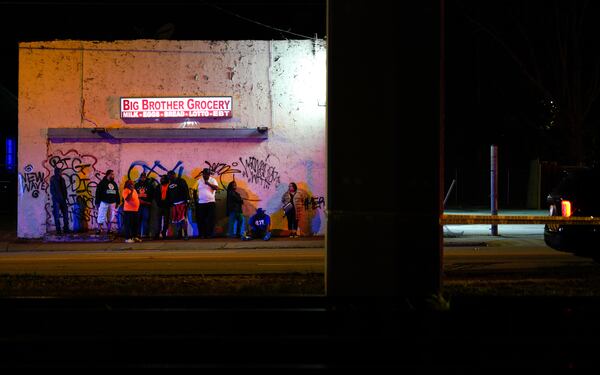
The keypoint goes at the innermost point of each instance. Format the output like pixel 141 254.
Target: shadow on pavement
pixel 300 334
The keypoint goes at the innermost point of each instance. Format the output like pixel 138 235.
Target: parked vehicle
pixel 577 194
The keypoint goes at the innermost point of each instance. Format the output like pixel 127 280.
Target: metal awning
pixel 153 134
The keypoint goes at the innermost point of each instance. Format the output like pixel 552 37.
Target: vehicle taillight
pixel 566 208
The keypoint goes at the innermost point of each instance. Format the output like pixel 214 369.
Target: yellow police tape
pixel 446 219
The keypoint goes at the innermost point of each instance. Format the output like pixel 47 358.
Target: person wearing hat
pixel 259 226
pixel 178 196
pixel 206 204
pixel 145 189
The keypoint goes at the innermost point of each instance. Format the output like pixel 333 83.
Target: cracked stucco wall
pixel 77 84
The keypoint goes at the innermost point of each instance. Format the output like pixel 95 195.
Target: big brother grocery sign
pixel 180 107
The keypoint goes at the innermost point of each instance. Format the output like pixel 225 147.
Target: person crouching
pixel 259 226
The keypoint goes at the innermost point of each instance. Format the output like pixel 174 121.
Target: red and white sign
pixel 182 107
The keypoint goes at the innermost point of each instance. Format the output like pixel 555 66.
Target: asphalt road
pixel 518 255
pixel 509 254
pixel 164 262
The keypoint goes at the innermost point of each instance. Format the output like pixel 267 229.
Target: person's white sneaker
pixel 129 240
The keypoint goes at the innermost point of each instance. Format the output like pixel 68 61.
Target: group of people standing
pixel 172 199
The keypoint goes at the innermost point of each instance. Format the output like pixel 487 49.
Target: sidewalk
pixel 454 235
pixel 481 235
pixel 89 241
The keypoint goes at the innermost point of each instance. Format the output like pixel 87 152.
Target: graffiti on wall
pixel 81 178
pixel 224 172
pixel 153 171
pixel 33 182
pixel 79 170
pixel 260 172
pixel 255 170
pixel 314 203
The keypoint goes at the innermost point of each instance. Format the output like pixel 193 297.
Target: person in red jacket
pixel 131 205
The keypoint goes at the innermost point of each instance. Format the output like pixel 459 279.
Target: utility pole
pixel 494 186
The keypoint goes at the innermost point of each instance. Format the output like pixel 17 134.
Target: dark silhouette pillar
pixel 384 139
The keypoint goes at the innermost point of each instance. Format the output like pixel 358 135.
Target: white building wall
pixel 78 84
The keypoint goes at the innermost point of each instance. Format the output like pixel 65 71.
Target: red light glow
pixel 566 208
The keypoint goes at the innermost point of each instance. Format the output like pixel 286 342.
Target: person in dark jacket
pixel 145 190
pixel 178 196
pixel 107 198
pixel 58 191
pixel 236 224
pixel 164 208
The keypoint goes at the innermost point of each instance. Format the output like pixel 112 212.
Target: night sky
pixel 522 75
pixel 506 62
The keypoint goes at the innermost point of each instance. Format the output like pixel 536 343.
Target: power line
pixel 256 22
